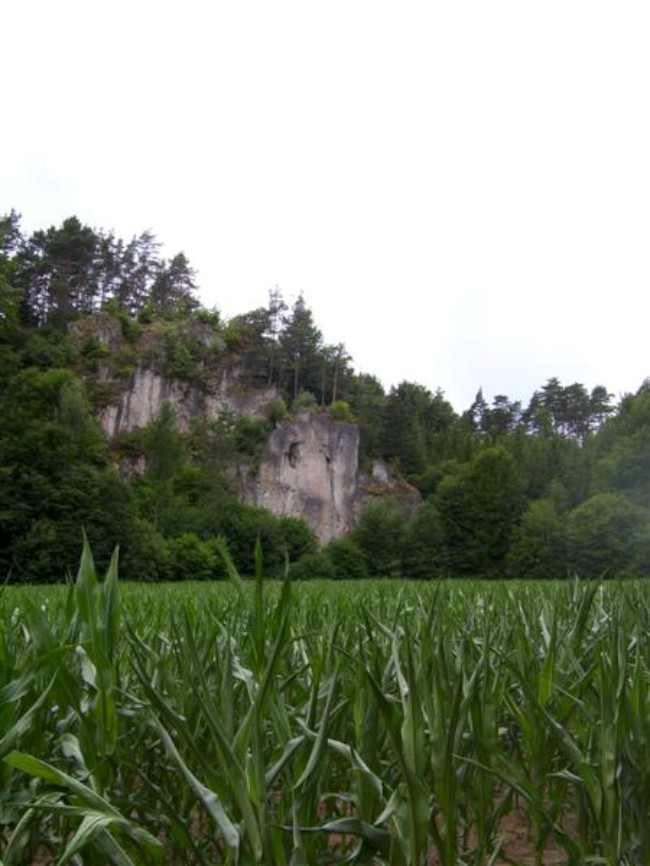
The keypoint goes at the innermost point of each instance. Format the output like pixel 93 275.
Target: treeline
pixel 60 273
pixel 560 487
pixel 548 489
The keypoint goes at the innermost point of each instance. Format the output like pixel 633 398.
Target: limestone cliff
pixel 310 464
pixel 147 389
pixel 309 469
pixel 185 364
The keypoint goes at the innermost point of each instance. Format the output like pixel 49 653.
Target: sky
pixel 461 189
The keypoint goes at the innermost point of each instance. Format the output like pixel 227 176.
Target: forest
pixel 554 488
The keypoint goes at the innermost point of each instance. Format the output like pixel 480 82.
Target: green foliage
pixel 340 411
pixel 250 435
pixel 546 460
pixel 233 333
pixel 10 364
pixel 539 544
pixel 295 538
pixel 404 427
pixel 246 337
pixel 208 316
pixel 416 426
pixel 165 455
pixel 146 558
pixel 10 241
pixel 193 559
pixel 131 328
pixel 366 397
pixel 55 477
pixel 236 723
pixel 173 289
pixel 280 538
pixel 212 445
pixel 93 349
pixel 48 347
pixel 312 566
pixel 608 535
pixel 56 271
pixel 479 509
pixel 44 531
pixel 622 449
pixel 184 350
pixel 300 344
pixel 181 363
pixel 304 400
pixel 567 410
pixel 347 558
pixel 276 412
pixel 379 536
pixel 424 553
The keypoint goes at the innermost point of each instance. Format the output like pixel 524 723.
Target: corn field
pixel 291 725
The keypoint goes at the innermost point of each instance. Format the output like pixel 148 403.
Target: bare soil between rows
pixel 517 846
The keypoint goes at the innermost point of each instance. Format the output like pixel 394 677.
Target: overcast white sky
pixel 461 189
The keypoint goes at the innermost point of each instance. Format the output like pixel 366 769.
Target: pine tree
pixel 301 345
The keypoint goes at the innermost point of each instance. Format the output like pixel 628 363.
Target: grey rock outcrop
pixel 309 469
pixel 142 399
pixel 138 377
pixel 310 465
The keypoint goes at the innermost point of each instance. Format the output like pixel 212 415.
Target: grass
pixel 364 722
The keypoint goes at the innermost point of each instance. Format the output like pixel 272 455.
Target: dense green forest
pixel 557 487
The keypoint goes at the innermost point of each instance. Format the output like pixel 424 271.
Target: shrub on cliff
pixel 340 411
pixel 304 400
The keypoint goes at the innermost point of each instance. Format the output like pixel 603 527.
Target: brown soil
pixel 518 844
pixel 43 858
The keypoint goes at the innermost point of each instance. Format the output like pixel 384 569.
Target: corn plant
pixel 259 722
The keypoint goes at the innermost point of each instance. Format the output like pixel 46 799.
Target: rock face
pixel 141 401
pixel 310 465
pixel 138 376
pixel 309 469
pixel 382 482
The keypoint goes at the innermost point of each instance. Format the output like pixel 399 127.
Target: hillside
pixel 130 410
